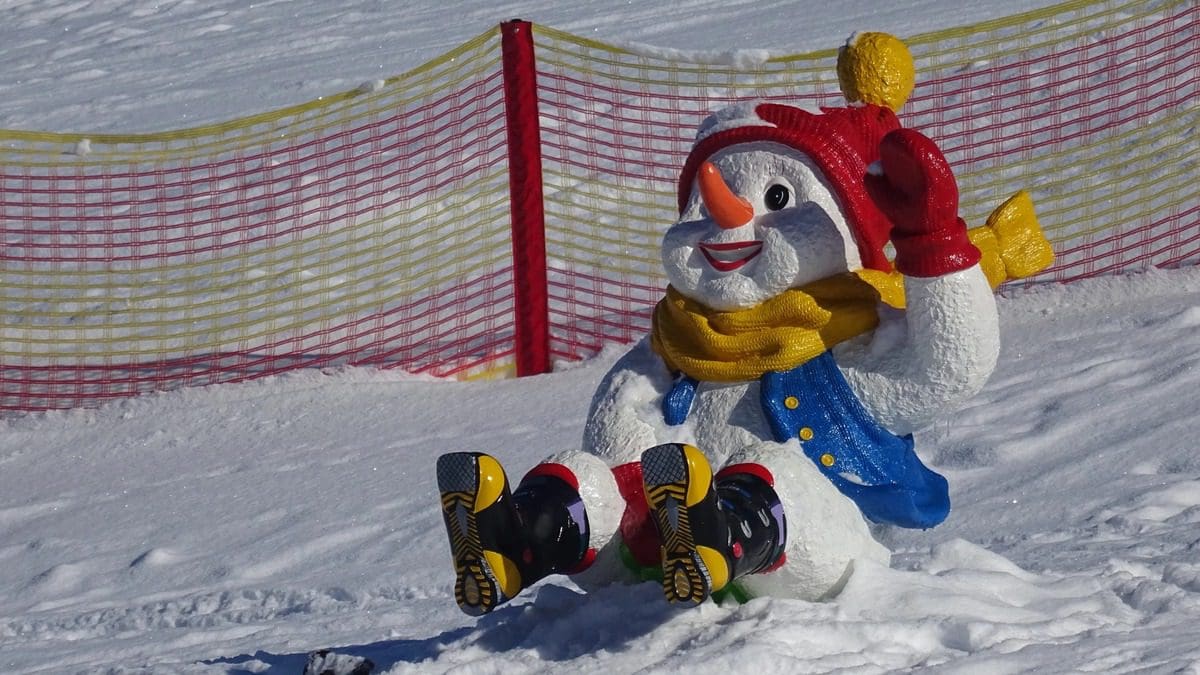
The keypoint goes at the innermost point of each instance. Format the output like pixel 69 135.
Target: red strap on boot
pixel 750 468
pixel 554 470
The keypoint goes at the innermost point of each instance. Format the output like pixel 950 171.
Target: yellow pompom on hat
pixel 876 68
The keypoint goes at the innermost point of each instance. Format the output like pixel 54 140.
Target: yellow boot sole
pixel 469 483
pixel 679 485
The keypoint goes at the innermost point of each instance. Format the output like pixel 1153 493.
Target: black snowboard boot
pixel 503 542
pixel 713 530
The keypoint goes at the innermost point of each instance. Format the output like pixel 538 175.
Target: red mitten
pixel 917 192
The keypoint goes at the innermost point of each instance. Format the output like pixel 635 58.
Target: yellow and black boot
pixel 503 541
pixel 713 529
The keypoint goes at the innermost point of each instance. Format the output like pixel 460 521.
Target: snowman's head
pixel 773 197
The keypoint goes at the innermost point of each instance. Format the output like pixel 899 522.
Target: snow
pixel 151 65
pixel 237 528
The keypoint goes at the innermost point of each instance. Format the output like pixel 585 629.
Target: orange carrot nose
pixel 728 209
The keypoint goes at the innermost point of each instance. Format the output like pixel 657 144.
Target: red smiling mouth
pixel 729 257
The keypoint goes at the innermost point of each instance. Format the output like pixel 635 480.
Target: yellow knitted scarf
pixel 779 334
pixel 802 323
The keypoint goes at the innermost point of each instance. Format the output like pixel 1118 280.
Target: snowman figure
pixel 789 352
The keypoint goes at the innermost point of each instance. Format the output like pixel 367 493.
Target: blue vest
pixel 872 466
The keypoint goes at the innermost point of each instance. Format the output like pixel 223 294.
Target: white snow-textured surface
pixel 237 528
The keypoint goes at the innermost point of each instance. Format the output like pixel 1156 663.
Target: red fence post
pixel 532 306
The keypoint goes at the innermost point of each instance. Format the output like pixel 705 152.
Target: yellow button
pixel 791 402
pixel 827 459
pixel 806 434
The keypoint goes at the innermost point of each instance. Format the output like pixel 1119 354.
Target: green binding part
pixel 732 591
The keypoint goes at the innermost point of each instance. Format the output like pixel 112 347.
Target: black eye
pixel 777 197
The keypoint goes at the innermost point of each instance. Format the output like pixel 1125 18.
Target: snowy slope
pixel 236 528
pixel 150 65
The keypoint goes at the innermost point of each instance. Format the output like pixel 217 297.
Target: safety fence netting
pixel 369 228
pixel 373 227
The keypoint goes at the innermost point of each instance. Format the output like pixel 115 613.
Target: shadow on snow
pixel 558 624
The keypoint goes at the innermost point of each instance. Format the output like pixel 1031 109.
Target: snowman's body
pixel 899 373
pixel 916 365
pixel 825 301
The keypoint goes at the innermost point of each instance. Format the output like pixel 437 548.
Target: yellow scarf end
pixel 890 286
pixel 1012 243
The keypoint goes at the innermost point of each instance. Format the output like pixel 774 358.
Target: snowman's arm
pixel 927 362
pixel 949 340
pixel 626 415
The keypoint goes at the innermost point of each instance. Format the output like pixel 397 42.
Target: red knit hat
pixel 841 141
